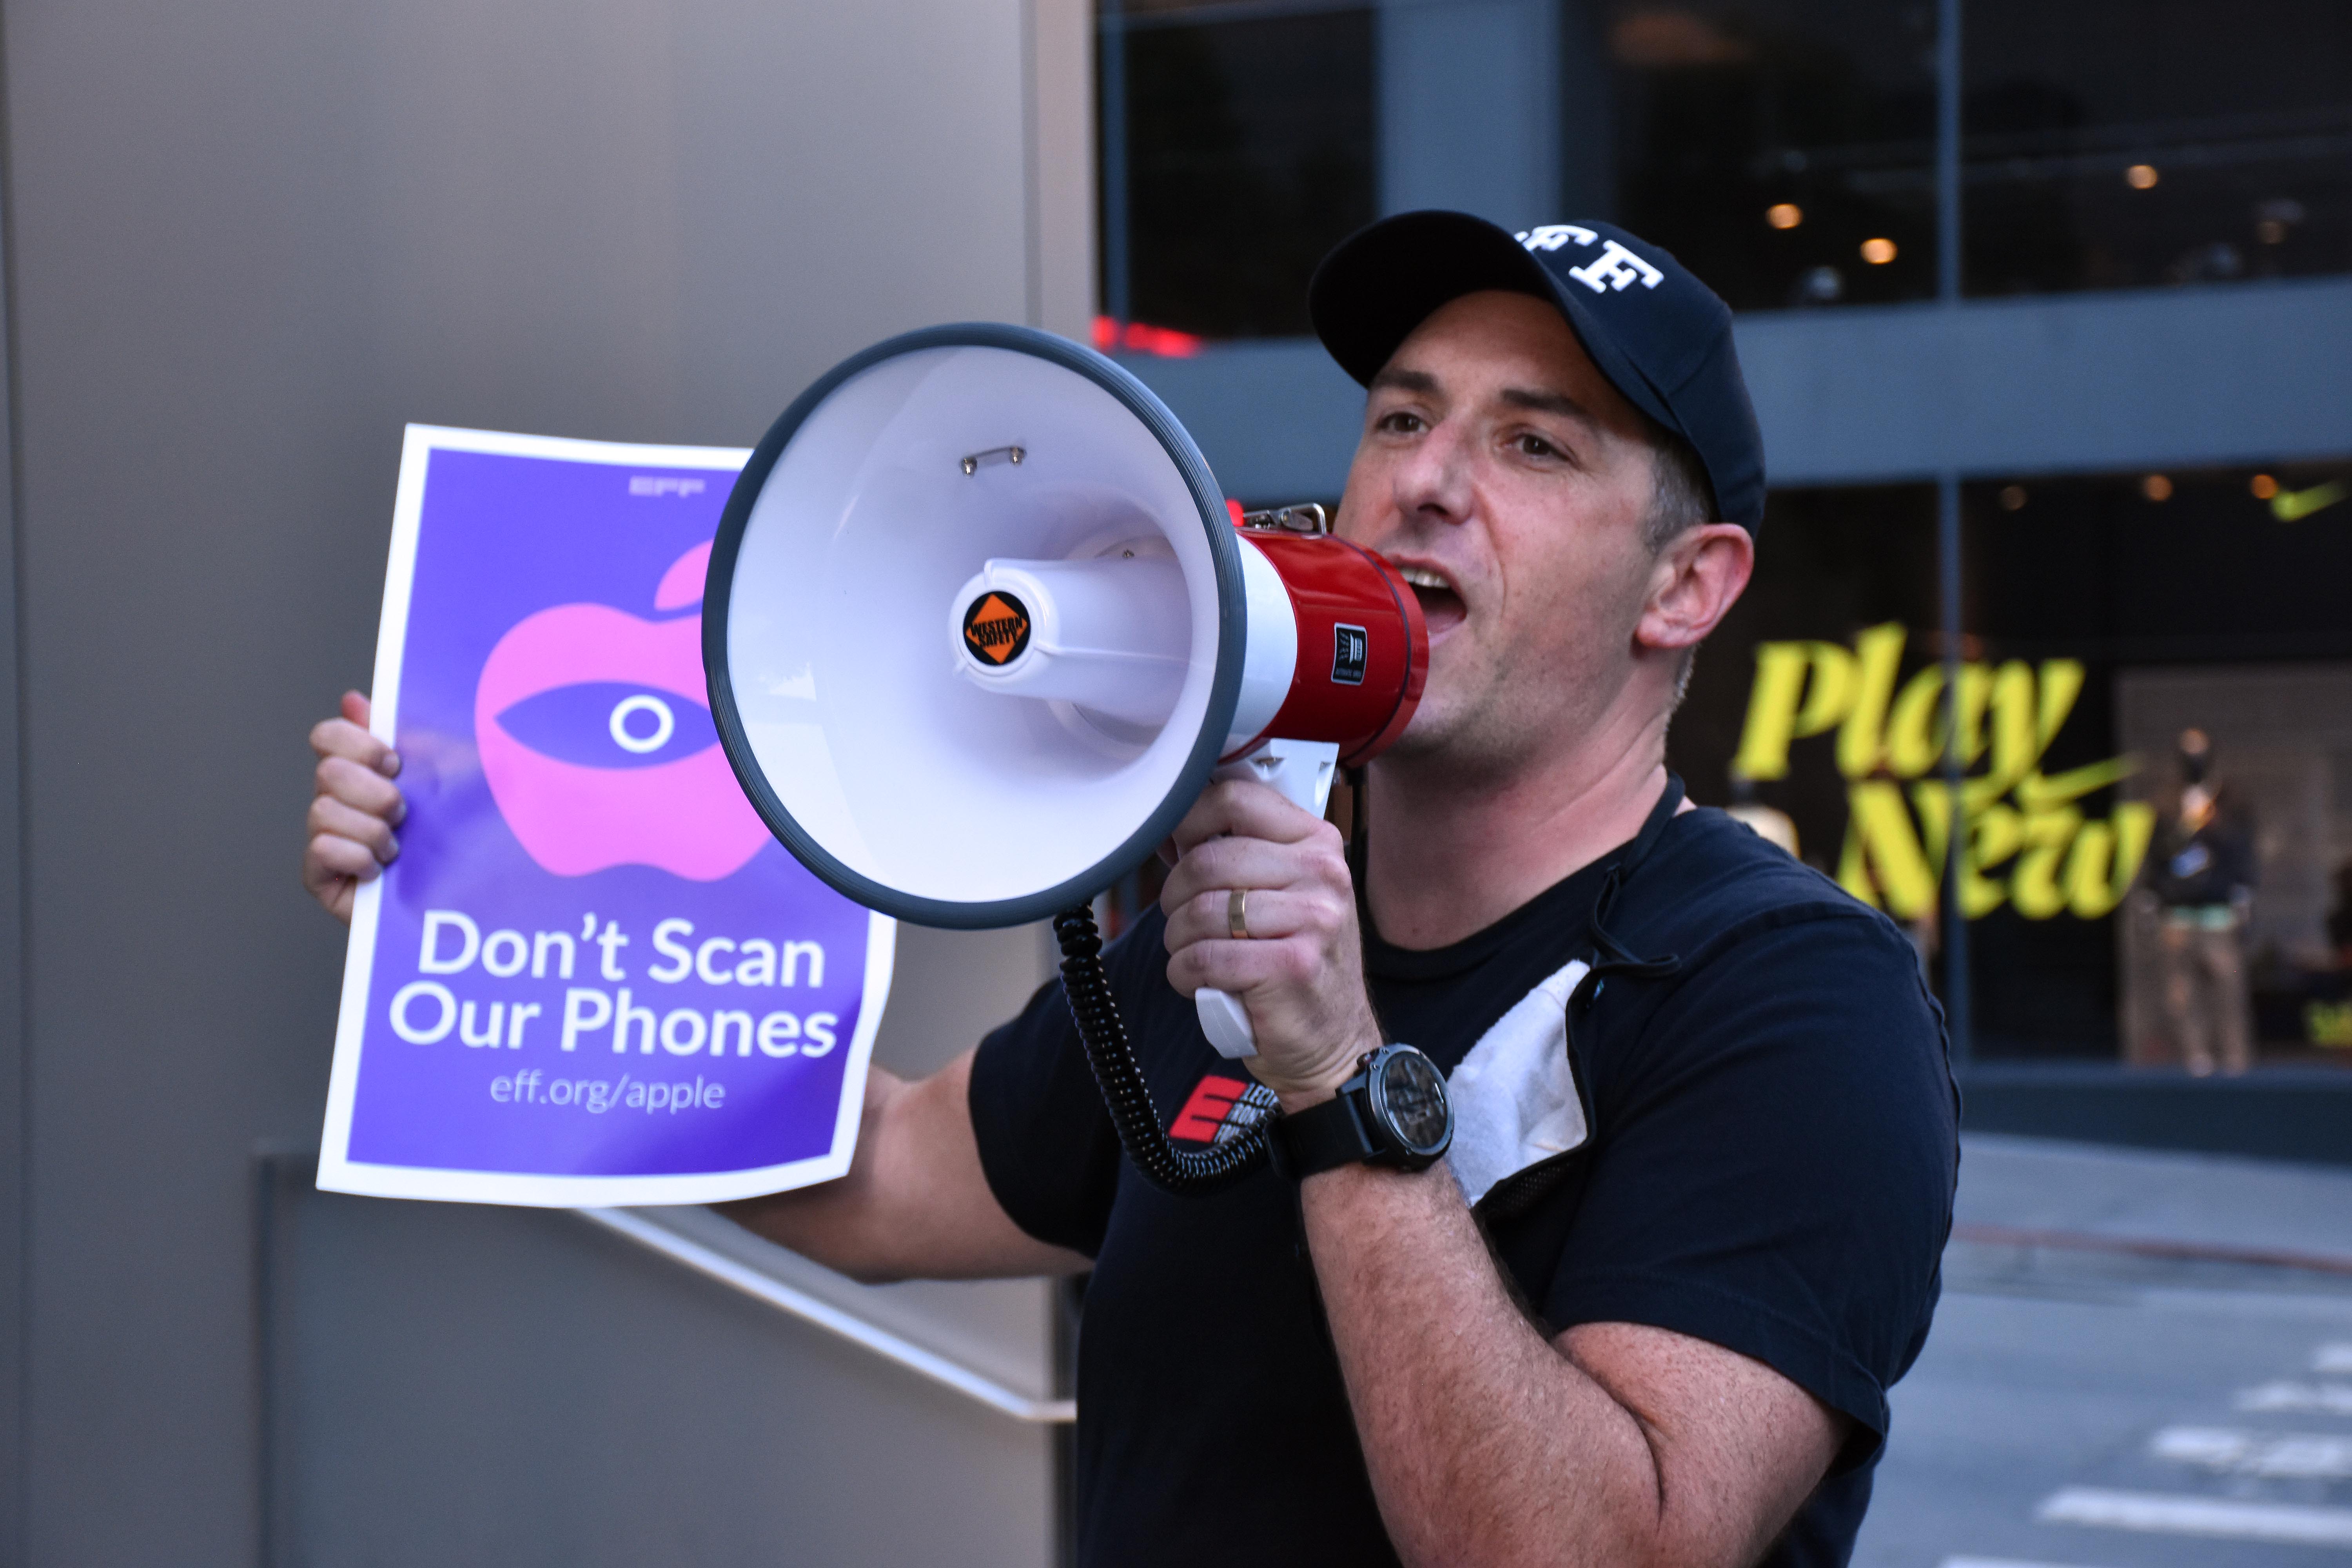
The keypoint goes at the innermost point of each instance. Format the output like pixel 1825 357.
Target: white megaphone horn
pixel 980 626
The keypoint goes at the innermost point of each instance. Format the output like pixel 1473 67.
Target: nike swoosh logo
pixel 2035 792
pixel 2294 506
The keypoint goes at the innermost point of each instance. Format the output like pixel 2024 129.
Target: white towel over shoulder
pixel 1514 1095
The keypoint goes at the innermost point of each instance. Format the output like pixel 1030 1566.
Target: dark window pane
pixel 1783 149
pixel 2098 568
pixel 1250 154
pixel 2125 143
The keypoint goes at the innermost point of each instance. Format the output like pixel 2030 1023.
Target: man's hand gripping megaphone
pixel 1260 906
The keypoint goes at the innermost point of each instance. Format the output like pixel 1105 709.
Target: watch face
pixel 1413 1100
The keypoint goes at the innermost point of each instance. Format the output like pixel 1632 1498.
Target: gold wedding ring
pixel 1238 914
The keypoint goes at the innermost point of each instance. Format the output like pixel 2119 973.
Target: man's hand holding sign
pixel 354 810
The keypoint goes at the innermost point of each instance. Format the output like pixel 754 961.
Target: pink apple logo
pixel 687 816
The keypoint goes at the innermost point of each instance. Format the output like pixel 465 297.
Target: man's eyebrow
pixel 1418 380
pixel 1549 403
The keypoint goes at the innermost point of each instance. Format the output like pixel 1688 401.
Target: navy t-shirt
pixel 1769 1165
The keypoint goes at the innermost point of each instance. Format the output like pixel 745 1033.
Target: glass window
pixel 2206 612
pixel 2125 144
pixel 1249 154
pixel 1805 712
pixel 1782 149
pixel 2115 912
pixel 1831 564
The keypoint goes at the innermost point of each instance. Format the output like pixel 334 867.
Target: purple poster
pixel 593 977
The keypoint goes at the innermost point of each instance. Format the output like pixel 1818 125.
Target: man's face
pixel 1510 482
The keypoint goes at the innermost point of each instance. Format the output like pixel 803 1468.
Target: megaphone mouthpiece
pixel 1360 649
pixel 1109 636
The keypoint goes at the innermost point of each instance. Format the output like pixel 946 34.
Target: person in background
pixel 349 835
pixel 2201 870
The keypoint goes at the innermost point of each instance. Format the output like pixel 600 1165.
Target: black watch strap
pixel 1321 1137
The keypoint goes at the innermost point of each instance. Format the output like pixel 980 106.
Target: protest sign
pixel 592 976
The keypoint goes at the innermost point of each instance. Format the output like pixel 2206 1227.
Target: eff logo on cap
pixel 1615 268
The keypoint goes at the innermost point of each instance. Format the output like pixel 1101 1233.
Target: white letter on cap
pixel 1615 268
pixel 1552 236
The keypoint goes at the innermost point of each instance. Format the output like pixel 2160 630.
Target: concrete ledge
pixel 2164 378
pixel 2282 1113
pixel 2061 384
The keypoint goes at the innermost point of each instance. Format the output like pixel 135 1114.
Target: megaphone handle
pixel 1226 1023
pixel 1302 770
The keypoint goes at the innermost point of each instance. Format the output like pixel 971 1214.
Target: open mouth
pixel 1441 603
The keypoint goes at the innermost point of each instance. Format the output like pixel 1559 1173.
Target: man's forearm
pixel 1485 1443
pixel 916 1202
pixel 837 1223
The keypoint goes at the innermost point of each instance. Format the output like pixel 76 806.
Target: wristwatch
pixel 1394 1113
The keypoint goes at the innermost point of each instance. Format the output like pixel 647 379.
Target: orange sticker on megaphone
pixel 997 627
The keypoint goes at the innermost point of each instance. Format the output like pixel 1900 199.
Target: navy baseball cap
pixel 1660 335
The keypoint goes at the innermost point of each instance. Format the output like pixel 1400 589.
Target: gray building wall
pixel 248 240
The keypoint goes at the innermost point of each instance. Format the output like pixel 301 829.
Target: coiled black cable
pixel 1185 1172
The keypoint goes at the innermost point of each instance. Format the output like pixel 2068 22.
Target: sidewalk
pixel 2230 1204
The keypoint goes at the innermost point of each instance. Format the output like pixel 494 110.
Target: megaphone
pixel 980 626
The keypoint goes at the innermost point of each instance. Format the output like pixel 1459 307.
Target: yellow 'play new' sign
pixel 2023 840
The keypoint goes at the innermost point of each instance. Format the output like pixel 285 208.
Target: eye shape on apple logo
pixel 611 724
pixel 597 747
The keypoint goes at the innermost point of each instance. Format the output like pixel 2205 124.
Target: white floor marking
pixel 2332 1358
pixel 2277 1456
pixel 2323 1398
pixel 2176 1515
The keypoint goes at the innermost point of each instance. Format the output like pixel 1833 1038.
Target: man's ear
pixel 1700 576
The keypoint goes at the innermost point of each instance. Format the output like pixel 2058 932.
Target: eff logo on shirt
pixel 1220 1108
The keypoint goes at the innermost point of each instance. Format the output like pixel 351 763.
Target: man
pixel 1705 1114
pixel 2200 869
